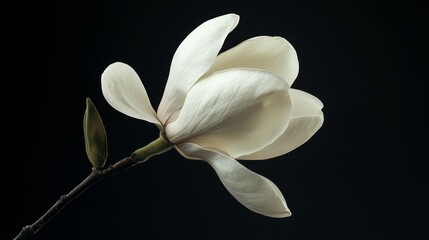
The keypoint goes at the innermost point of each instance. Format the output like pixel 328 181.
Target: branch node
pixel 133 158
pixel 95 172
pixel 28 231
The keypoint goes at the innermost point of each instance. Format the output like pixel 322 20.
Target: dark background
pixel 364 175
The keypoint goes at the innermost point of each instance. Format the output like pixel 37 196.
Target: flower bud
pixel 95 136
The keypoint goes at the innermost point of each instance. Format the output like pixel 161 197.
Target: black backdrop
pixel 362 176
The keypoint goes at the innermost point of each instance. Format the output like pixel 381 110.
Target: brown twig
pixel 95 176
pixel 156 147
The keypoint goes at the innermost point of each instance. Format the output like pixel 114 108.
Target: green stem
pixel 156 147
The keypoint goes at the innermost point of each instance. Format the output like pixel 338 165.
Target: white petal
pixel 273 54
pixel 192 59
pixel 125 92
pixel 306 120
pixel 254 191
pixel 305 104
pixel 237 111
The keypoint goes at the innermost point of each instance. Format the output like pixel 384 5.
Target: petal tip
pixel 286 213
pixel 233 15
pixel 283 213
pixel 114 68
pixel 234 18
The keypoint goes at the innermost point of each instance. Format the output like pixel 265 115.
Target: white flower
pixel 218 108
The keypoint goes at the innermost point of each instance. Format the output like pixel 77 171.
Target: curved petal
pixel 124 91
pixel 192 59
pixel 238 111
pixel 307 118
pixel 273 54
pixel 254 191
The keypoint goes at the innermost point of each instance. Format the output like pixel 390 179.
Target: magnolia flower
pixel 219 108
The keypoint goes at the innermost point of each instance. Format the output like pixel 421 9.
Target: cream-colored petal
pixel 273 54
pixel 192 59
pixel 306 120
pixel 305 104
pixel 254 191
pixel 124 91
pixel 238 112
